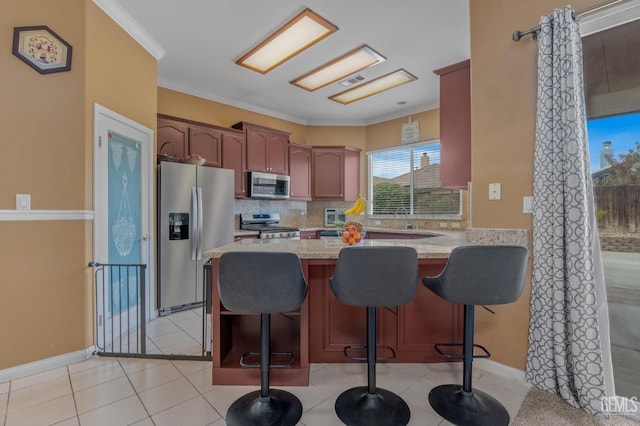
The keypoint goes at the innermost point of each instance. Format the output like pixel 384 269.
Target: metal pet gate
pixel 121 306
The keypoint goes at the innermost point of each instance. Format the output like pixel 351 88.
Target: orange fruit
pixel 352 240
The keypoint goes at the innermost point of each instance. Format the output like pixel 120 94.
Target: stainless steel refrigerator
pixel 195 214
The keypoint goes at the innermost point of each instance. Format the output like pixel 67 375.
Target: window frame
pixel 411 214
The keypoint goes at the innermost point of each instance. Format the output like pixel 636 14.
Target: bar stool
pixel 374 276
pixel 264 283
pixel 475 275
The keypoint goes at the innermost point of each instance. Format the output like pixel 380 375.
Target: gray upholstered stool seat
pixel 264 283
pixel 475 275
pixel 374 276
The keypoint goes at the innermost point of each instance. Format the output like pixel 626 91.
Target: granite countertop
pixel 436 247
pixel 431 247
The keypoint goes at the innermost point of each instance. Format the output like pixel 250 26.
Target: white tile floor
pixel 125 391
pixel 179 333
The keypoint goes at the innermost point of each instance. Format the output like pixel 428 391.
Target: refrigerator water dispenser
pixel 178 226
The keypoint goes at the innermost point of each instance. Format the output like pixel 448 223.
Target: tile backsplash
pixel 303 214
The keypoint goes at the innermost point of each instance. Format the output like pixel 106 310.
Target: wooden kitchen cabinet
pixel 308 235
pixel 300 172
pixel 233 157
pixel 207 143
pixel 173 137
pixel 267 149
pixel 455 125
pixel 411 329
pixel 179 138
pixel 335 173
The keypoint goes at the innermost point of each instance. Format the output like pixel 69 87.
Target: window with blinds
pixel 407 179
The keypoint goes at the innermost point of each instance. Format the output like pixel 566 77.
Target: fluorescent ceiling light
pixel 300 33
pixel 378 85
pixel 348 64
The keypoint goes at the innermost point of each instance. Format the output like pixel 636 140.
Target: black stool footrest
pixel 486 353
pixel 244 364
pixel 364 347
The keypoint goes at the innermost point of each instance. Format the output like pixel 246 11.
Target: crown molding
pixel 122 18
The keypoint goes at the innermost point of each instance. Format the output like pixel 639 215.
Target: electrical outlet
pixel 443 224
pixel 494 191
pixel 455 225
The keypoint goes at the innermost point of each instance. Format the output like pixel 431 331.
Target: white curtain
pixel 569 350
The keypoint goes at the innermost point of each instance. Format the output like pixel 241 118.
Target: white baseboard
pixel 24 370
pixel 500 369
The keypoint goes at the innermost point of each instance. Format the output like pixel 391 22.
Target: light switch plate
pixel 494 191
pixel 23 201
pixel 527 204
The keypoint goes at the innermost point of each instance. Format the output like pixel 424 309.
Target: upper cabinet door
pixel 257 151
pixel 328 174
pixel 455 125
pixel 267 149
pixel 300 171
pixel 278 153
pixel 207 143
pixel 172 138
pixel 336 173
pixel 233 157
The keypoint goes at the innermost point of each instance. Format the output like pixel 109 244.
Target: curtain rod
pixel 517 34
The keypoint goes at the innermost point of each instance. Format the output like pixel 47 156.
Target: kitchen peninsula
pixel 322 327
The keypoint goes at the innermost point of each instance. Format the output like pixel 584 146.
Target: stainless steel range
pixel 267 225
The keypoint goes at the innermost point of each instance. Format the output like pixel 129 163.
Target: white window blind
pixel 407 179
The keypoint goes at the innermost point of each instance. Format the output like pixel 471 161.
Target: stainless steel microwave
pixel 268 185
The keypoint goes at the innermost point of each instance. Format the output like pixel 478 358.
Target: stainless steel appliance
pixel 268 185
pixel 195 214
pixel 267 225
pixel 331 216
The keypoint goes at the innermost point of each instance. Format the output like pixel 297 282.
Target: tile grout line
pixel 198 390
pixel 126 374
pixel 6 411
pixel 73 394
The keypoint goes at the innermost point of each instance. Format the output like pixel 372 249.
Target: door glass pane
pixel 124 182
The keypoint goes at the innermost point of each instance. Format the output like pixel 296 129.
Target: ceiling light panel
pixel 300 33
pixel 348 64
pixel 378 85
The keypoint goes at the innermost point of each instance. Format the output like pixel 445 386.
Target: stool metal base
pixel 280 408
pixel 476 408
pixel 358 407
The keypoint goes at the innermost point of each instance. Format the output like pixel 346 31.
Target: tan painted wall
pixel 194 108
pixel 42 116
pixel 388 133
pixel 46 142
pixel 503 104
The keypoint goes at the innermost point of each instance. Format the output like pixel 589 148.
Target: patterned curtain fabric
pixel 568 350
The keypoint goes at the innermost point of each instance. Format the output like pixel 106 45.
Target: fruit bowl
pixel 352 233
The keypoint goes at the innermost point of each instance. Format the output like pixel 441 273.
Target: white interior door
pixel 123 184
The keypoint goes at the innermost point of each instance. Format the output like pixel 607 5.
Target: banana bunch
pixel 358 207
